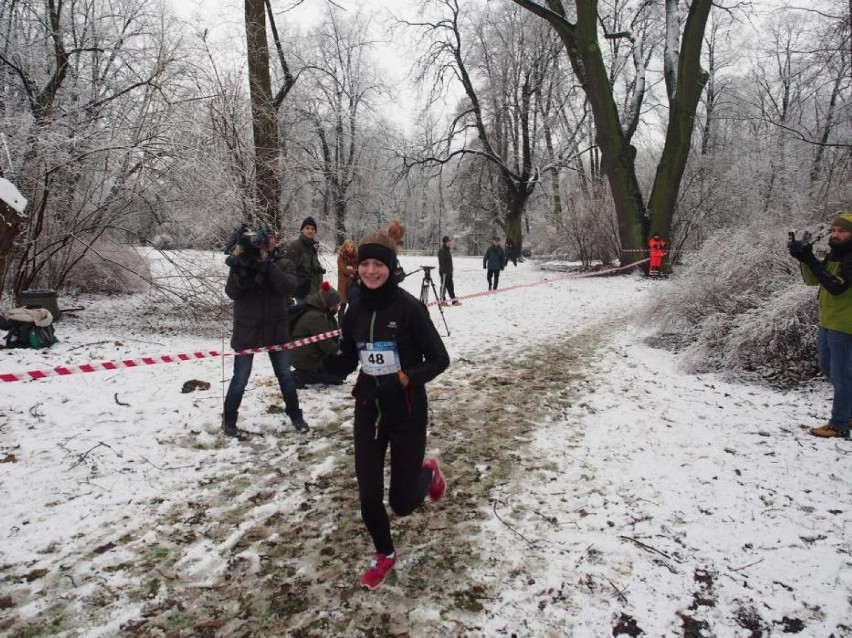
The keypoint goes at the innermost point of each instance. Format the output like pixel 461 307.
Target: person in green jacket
pixel 834 277
pixel 317 318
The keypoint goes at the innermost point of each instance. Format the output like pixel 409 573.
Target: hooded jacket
pixel 313 321
pixel 261 293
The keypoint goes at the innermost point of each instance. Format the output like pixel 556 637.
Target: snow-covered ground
pixel 594 489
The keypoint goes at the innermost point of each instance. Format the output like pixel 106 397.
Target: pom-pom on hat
pixel 379 246
pixel 329 295
pixel 308 221
pixel 844 221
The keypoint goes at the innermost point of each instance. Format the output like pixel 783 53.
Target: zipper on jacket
pixel 378 407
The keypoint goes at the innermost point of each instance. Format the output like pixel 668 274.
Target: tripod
pixel 424 293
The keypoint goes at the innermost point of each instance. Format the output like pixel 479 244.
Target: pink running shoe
pixel 438 485
pixel 379 568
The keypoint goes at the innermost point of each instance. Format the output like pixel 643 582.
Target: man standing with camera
pixel 834 277
pixel 260 282
pixel 303 252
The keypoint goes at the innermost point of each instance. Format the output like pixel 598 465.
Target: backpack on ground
pixel 29 328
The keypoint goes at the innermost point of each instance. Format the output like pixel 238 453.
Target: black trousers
pixel 495 275
pixel 409 480
pixel 447 287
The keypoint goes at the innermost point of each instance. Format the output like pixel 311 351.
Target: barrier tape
pixel 666 250
pixel 63 371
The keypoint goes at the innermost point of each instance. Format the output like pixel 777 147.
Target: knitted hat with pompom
pixel 329 295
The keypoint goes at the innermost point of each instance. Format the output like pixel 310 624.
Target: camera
pixel 805 238
pixel 252 240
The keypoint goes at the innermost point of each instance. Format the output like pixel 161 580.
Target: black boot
pixel 299 423
pixel 229 425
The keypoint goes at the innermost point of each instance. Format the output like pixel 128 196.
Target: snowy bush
pixel 110 268
pixel 740 305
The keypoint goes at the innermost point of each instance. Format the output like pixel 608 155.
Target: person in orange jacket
pixel 656 251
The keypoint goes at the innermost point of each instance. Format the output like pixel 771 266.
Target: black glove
pixel 801 251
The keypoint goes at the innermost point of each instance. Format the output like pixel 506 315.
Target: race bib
pixel 379 357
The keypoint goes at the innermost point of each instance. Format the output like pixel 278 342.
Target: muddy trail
pixel 287 521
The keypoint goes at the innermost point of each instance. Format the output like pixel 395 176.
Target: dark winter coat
pixel 261 292
pixel 313 321
pixel 391 315
pixel 303 253
pixel 495 258
pixel 445 261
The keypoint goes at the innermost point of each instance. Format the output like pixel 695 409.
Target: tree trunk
pixel 264 120
pixel 690 83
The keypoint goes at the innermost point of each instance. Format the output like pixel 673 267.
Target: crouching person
pixel 260 282
pixel 389 333
pixel 317 318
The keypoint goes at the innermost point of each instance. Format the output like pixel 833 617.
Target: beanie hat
pixel 329 295
pixel 309 221
pixel 844 220
pixel 378 246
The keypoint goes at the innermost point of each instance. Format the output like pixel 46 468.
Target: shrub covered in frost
pixel 740 305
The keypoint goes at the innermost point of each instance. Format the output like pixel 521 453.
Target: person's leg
pixel 838 361
pixel 409 480
pixel 451 291
pixel 443 287
pixel 496 278
pixel 370 449
pixel 239 381
pixel 490 277
pixel 281 366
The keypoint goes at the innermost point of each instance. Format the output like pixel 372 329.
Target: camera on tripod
pixel 427 272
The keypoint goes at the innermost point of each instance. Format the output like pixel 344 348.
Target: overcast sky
pixel 224 20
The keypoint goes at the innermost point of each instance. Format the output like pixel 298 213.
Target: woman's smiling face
pixel 373 273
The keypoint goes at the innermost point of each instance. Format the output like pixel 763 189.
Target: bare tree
pixel 502 63
pixel 84 116
pixel 684 80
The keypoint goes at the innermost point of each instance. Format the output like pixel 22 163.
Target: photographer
pixel 303 253
pixel 260 282
pixel 834 277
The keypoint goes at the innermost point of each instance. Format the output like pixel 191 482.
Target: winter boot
pixel 229 425
pixel 828 430
pixel 299 422
pixel 378 569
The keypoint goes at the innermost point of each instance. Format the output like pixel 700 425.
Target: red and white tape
pixel 63 371
pixel 582 275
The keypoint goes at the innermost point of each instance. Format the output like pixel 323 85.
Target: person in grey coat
pixel 260 282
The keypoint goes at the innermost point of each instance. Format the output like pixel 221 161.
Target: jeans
pixel 242 372
pixel 835 361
